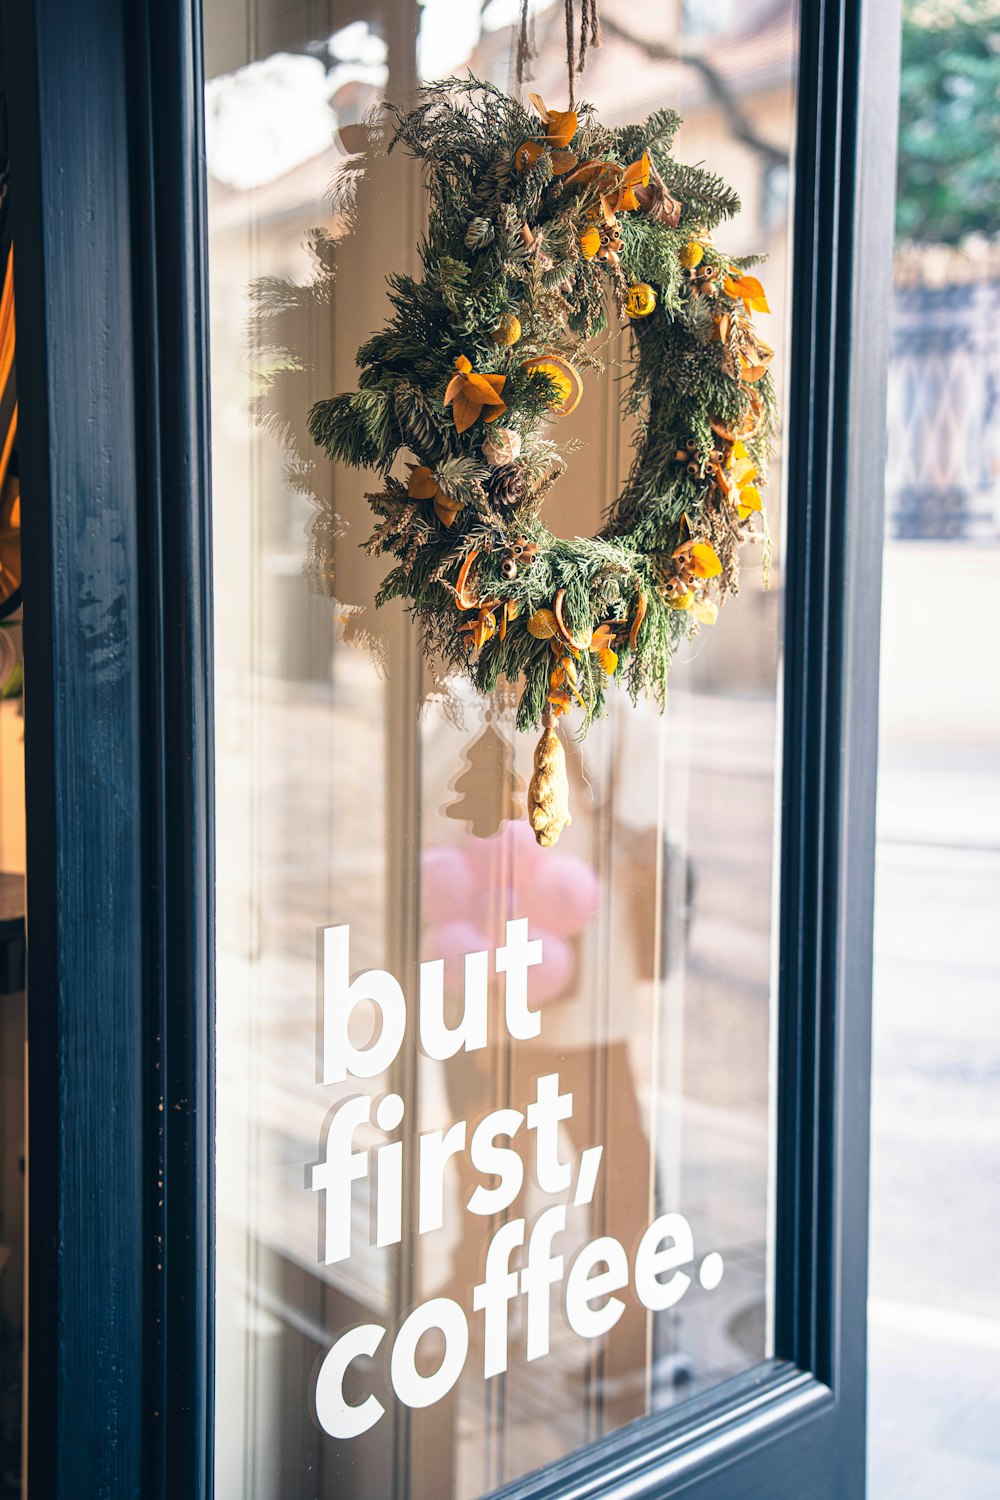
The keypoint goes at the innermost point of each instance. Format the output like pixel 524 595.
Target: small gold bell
pixel 641 300
pixel 548 790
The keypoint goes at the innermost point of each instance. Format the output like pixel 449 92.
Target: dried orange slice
pixel 564 376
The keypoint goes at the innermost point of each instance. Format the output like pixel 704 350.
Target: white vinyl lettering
pixel 666 1245
pixel 332 1412
pixel 497 1289
pixel 583 1287
pixel 541 1273
pixel 340 996
pixel 544 1116
pixel 438 1040
pixel 515 959
pixel 410 1386
pixel 334 1176
pixel 523 1267
pixel 436 1147
pixel 496 1161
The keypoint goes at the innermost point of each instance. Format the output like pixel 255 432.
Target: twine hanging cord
pixel 577 46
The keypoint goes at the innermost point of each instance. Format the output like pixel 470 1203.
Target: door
pixel 327 1291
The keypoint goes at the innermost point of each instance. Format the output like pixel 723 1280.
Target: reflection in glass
pixel 355 789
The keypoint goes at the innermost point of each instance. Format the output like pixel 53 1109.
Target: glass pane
pixel 934 1339
pixel 370 818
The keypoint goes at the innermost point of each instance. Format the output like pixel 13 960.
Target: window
pixel 369 819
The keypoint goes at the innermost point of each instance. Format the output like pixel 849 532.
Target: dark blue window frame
pixel 108 193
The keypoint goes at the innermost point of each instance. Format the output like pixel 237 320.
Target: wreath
pixel 545 226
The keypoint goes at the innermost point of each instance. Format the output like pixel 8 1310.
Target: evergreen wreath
pixel 543 225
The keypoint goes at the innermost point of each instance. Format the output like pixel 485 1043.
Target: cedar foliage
pixel 477 268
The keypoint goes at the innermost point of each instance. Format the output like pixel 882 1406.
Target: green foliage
pixel 358 428
pixel 949 122
pixel 462 479
pixel 505 236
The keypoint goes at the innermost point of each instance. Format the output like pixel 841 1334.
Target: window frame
pixel 109 216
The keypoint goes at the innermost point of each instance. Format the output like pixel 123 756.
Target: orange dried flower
pixel 560 124
pixel 745 289
pixel 422 485
pixel 470 394
pixel 637 175
pixel 743 473
pixel 704 560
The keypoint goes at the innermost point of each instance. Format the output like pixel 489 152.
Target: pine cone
pixel 505 484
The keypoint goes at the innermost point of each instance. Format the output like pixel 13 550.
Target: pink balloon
pixel 453 941
pixel 549 978
pixel 563 894
pixel 448 886
pixel 512 850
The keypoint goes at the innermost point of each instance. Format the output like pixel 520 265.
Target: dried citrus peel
pixel 463 599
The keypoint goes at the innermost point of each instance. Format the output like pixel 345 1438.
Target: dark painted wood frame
pixel 108 183
pixel 106 130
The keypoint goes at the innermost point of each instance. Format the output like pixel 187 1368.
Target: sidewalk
pixel 934 1399
pixel 935 1229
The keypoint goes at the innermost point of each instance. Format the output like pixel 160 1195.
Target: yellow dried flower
pixel 542 624
pixel 507 331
